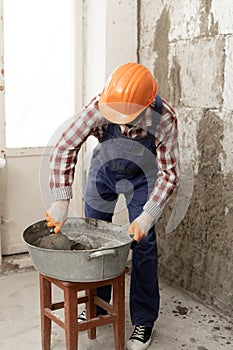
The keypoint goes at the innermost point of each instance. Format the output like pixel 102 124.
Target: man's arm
pixel 168 173
pixel 64 156
pixel 168 163
pixel 64 159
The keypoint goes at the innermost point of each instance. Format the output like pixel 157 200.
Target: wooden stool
pixel 116 311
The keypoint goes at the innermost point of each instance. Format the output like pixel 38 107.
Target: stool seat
pixel 116 310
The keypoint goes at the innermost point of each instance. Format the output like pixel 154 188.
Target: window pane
pixel 38 69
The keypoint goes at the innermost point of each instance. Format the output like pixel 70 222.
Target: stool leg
pixel 71 326
pixel 91 311
pixel 45 302
pixel 119 309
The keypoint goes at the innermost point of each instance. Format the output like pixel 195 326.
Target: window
pixel 38 57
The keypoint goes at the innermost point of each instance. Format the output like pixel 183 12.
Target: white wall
pixel 2 126
pixel 94 47
pixel 110 39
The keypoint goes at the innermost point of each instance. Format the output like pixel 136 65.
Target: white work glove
pixel 56 215
pixel 140 226
pixel 145 221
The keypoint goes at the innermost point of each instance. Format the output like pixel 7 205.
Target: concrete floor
pixel 184 323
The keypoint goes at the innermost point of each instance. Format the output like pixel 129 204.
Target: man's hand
pixel 135 230
pixel 56 215
pixel 140 226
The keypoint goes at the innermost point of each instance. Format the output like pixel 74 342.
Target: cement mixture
pixel 62 242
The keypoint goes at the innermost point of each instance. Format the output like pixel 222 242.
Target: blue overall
pixel 124 165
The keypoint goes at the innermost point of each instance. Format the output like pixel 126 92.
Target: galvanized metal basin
pixel 107 261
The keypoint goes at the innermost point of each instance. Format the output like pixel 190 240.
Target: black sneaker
pixel 140 338
pixel 82 316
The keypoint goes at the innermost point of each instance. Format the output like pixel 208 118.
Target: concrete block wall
pixel 188 46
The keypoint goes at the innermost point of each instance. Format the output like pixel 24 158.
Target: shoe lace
pixel 83 315
pixel 139 332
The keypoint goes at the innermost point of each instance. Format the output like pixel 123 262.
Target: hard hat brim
pixel 120 113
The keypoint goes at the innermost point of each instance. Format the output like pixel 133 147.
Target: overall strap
pixel 157 104
pixel 156 107
pixel 111 131
pixel 111 128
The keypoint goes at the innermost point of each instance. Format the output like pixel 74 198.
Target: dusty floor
pixel 184 323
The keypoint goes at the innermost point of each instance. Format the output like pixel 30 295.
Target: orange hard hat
pixel 128 91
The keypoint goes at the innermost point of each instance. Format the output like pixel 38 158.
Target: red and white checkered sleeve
pixel 168 164
pixel 64 156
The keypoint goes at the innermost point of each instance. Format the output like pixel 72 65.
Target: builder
pixel 137 155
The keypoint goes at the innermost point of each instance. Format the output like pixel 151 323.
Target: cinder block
pixel 188 121
pixel 228 75
pixel 223 14
pixel 184 19
pixel 148 14
pixel 201 65
pixel 181 21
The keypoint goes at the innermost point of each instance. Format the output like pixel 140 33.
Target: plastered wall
pixel 188 45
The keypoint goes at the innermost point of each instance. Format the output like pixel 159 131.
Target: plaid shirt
pixel 91 122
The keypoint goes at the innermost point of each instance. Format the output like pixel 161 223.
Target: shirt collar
pixel 144 121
